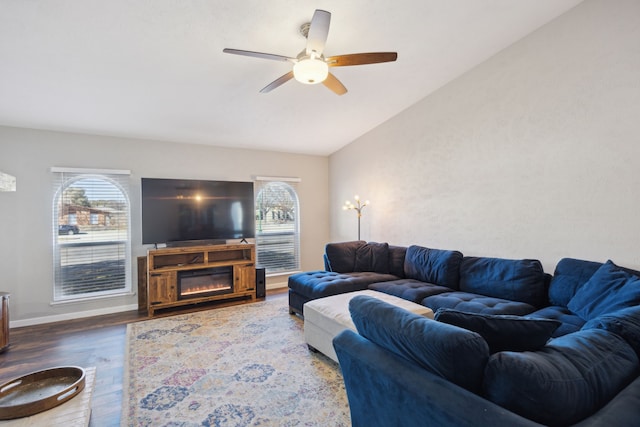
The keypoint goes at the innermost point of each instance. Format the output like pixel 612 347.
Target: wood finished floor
pixel 96 341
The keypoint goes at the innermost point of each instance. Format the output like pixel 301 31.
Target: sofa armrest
pixel 387 390
pixel 622 411
pixel 327 264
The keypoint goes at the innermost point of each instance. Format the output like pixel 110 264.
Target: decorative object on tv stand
pixel 358 206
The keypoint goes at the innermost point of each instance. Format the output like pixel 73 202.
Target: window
pixel 277 225
pixel 91 217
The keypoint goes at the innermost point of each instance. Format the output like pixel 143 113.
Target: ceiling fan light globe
pixel 310 71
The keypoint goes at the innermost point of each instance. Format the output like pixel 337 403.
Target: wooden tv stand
pixel 164 266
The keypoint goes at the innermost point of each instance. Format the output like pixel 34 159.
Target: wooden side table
pixel 4 318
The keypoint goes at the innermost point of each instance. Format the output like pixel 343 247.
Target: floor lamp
pixel 358 206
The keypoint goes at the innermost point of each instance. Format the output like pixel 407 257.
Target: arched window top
pixel 95 187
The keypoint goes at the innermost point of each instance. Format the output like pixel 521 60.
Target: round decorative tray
pixel 39 391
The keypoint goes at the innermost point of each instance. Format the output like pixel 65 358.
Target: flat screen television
pixel 176 211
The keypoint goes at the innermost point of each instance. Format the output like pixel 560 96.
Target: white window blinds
pixel 277 224
pixel 91 228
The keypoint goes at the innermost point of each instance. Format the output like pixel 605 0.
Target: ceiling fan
pixel 311 66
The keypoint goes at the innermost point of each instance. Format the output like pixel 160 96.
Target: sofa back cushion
pixel 341 257
pixel 396 260
pixel 515 280
pixel 569 275
pixel 453 353
pixel 608 290
pixel 373 257
pixel 437 266
pixel 624 322
pixel 568 380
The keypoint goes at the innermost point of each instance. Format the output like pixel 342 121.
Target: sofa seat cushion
pixel 609 289
pixel 571 322
pixel 569 379
pixel 318 284
pixel 514 280
pixel 501 331
pixel 438 266
pixel 409 289
pixel 474 303
pixel 453 353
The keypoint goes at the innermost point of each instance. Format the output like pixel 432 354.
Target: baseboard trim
pixel 71 316
pixel 278 285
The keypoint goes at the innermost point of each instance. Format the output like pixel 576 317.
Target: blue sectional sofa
pixel 510 344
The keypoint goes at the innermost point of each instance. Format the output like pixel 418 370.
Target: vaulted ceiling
pixel 154 69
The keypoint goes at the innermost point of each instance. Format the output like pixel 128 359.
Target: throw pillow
pixel 373 257
pixel 452 353
pixel 609 289
pixel 503 332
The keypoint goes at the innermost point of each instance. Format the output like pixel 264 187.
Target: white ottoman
pixel 324 318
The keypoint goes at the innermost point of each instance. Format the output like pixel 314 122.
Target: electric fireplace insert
pixel 205 282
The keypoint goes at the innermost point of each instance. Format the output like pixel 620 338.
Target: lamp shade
pixel 310 71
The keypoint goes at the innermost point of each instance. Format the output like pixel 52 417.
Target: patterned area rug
pixel 245 365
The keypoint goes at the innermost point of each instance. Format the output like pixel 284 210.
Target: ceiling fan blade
pixel 258 55
pixel 361 58
pixel 335 85
pixel 277 82
pixel 318 31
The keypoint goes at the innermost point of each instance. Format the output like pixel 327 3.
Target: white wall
pixel 533 154
pixel 26 257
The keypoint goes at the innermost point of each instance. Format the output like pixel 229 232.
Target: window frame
pixel 64 178
pixel 290 184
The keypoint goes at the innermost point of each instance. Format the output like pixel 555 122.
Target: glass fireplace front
pixel 204 283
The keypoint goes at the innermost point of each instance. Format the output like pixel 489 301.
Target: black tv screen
pixel 181 210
